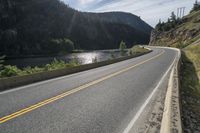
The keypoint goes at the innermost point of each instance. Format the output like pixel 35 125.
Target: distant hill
pixel 38 27
pixel 123 18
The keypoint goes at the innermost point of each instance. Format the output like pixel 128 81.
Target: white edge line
pixel 132 122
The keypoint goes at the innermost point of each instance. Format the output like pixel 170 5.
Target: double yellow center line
pixel 53 99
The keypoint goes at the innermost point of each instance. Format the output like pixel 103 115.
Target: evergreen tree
pixel 168 20
pixel 196 6
pixel 159 25
pixel 173 17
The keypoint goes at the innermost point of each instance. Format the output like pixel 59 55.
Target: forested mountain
pixel 124 18
pixel 35 27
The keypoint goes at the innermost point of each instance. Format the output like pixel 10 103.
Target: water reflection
pixel 87 58
pixel 82 58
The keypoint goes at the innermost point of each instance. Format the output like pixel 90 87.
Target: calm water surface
pixel 82 58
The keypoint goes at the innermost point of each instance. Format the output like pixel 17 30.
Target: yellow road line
pixel 53 99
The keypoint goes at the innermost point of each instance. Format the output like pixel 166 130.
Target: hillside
pixel 123 18
pixel 36 27
pixel 185 34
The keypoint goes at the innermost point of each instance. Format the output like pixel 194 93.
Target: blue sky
pixel 149 10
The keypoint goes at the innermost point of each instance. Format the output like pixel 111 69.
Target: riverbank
pixel 61 54
pixel 12 76
pixel 84 57
pixel 12 70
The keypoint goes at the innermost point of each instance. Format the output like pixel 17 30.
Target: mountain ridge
pixel 28 28
pixel 124 18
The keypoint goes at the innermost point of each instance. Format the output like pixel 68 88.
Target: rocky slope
pixel 186 36
pixel 182 35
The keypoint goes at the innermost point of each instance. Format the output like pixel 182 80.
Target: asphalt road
pixel 101 100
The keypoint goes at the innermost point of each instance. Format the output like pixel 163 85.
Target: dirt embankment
pixel 182 35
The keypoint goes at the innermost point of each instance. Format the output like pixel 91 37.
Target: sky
pixel 149 10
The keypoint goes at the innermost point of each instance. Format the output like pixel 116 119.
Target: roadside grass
pixel 192 52
pixel 190 87
pixel 193 24
pixel 137 50
pixel 10 71
pixel 190 80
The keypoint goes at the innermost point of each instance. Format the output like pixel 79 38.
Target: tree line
pixel 174 20
pixel 171 23
pixel 196 6
pixel 43 27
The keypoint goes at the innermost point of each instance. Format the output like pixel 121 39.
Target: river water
pixel 82 58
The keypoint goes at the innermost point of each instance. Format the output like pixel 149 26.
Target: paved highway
pixel 108 99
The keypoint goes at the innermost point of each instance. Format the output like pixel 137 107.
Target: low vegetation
pixel 190 89
pixel 135 50
pixel 122 48
pixel 193 53
pixel 10 71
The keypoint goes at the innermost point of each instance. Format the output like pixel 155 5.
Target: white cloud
pixel 85 1
pixel 149 10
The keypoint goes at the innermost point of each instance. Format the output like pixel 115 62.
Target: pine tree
pixel 158 26
pixel 173 17
pixel 196 6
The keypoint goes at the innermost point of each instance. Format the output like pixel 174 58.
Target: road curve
pixel 101 100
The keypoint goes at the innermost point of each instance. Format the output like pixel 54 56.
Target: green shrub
pixel 136 50
pixel 122 47
pixel 10 71
pixel 30 70
pixel 56 64
pixel 73 62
